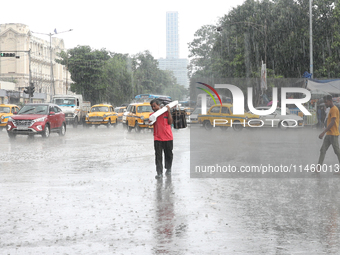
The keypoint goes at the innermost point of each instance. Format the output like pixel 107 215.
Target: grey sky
pixel 119 26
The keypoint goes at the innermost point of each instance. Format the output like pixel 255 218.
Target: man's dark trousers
pixel 167 146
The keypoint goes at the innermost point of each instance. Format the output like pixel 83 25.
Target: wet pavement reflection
pixel 94 192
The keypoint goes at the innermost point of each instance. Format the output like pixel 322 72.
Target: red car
pixel 33 119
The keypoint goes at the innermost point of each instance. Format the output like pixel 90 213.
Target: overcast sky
pixel 119 26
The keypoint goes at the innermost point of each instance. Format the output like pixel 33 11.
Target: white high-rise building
pixel 172 37
pixel 172 61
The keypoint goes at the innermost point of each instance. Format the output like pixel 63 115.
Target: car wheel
pixel 237 126
pixel 11 135
pixel 108 125
pixel 75 123
pixel 207 125
pixel 46 132
pixel 62 130
pixel 283 125
pixel 137 127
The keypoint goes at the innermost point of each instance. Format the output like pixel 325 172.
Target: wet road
pixel 93 192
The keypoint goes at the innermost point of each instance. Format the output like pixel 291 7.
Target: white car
pixel 128 110
pixel 281 121
pixel 193 117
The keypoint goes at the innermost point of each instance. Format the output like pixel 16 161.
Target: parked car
pixel 281 121
pixel 33 119
pixel 138 118
pixel 6 111
pixel 101 114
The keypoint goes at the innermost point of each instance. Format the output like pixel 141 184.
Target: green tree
pixel 276 32
pixel 145 72
pixel 117 80
pixel 86 68
pixel 149 79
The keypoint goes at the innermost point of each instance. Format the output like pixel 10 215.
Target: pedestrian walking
pixel 163 139
pixel 331 131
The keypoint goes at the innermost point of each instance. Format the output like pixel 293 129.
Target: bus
pixel 148 97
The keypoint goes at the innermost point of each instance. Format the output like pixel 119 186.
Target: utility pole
pixel 310 39
pixel 67 74
pixel 52 89
pixel 29 75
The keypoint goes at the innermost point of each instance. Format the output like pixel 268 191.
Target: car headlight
pixel 105 116
pixel 2 117
pixel 87 116
pixel 142 117
pixel 42 119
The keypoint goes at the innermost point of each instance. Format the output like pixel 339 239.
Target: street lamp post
pixel 310 39
pixel 52 89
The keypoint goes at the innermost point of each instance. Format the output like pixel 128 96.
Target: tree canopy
pixel 106 77
pixel 275 32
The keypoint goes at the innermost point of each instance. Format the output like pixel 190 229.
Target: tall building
pixel 172 61
pixel 32 61
pixel 172 37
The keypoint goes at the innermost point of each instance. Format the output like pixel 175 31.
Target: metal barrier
pixel 310 120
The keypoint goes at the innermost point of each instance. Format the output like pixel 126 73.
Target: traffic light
pixel 7 55
pixel 27 90
pixel 32 89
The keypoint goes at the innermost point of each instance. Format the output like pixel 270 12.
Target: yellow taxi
pixel 6 111
pixel 120 111
pixel 101 114
pixel 222 116
pixel 188 110
pixel 138 117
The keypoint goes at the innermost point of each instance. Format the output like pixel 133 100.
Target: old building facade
pixel 32 61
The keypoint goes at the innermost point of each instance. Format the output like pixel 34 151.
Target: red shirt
pixel 161 128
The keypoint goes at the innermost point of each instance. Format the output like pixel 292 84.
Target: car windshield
pixel 33 109
pixel 144 108
pixel 65 101
pixel 5 109
pixel 100 109
pixel 196 111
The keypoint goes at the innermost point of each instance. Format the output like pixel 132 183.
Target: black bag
pixel 179 118
pixel 164 100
